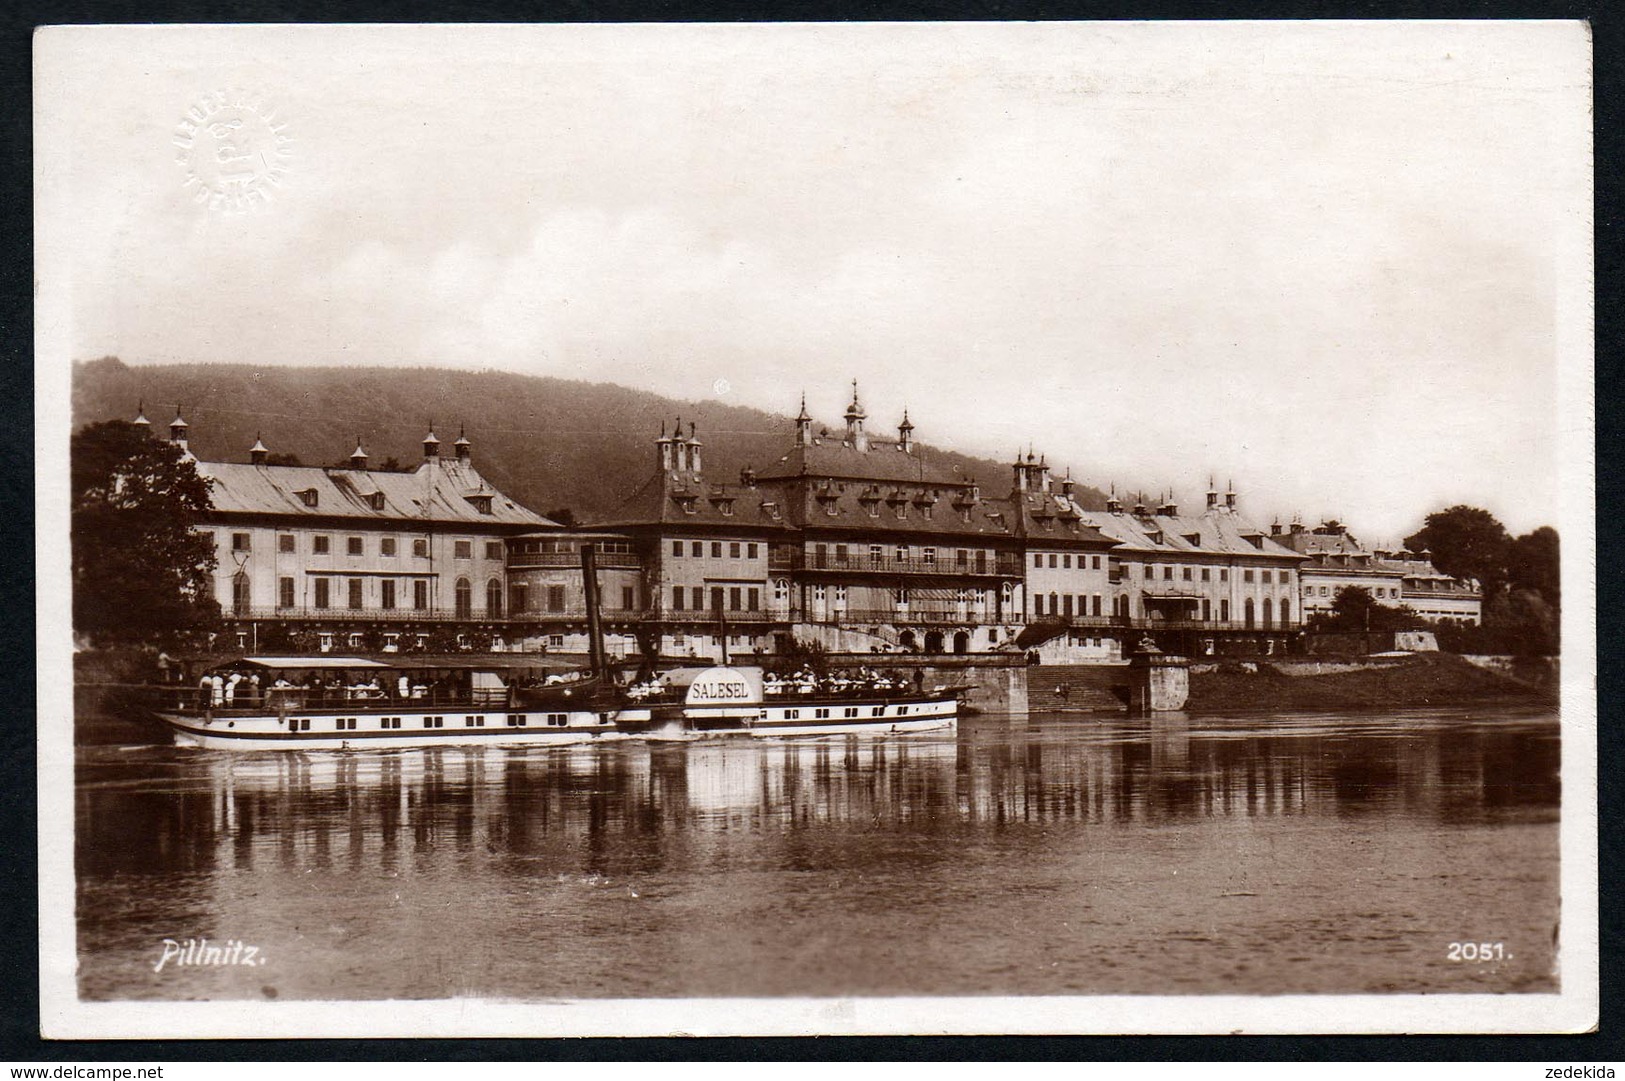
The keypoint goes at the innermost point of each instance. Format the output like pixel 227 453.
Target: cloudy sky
pixel 1328 261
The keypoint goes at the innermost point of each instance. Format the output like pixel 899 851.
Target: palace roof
pixel 1219 531
pixel 830 456
pixel 440 490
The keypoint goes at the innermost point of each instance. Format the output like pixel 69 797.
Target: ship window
pixel 821 714
pixel 792 714
pixel 878 711
pixel 558 720
pixel 851 711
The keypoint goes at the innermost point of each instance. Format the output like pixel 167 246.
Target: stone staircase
pixel 1077 688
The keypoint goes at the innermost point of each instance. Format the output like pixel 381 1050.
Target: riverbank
pixel 1418 681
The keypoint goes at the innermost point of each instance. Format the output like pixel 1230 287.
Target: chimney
pixel 854 421
pixel 694 446
pixel 358 456
pixel 258 452
pixel 663 448
pixel 464 448
pixel 431 445
pixel 905 434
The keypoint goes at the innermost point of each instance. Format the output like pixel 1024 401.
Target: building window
pixel 519 598
pixel 284 542
pixel 1247 575
pixel 1168 574
pixel 1097 604
pixel 1286 611
pixel 1224 574
pixel 677 549
pixel 1066 561
pixel 1038 604
pixel 677 598
pixel 239 542
pixel 629 597
pixel 733 549
pixel 750 551
pixel 716 598
pixel 386 547
pixel 493 598
pixel 309 497
pixel 734 598
pixel 716 549
pixel 240 593
pixel 928 555
pixel 753 599
pixel 463 549
pixel 555 598
pixel 352 546
pixel 420 595
pixel 1038 560
pixel 464 596
pixel 1185 572
pixel 874 553
pixel 323 598
pixel 420 547
pixel 1207 574
pixel 386 593
pixel 284 592
pixel 1094 563
pixel 902 553
pixel 697 596
pixel 1224 610
pixel 696 549
pixel 781 590
pixel 355 592
pixel 1052 560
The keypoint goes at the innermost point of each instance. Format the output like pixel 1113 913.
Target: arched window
pixel 1286 611
pixel 1269 611
pixel 240 593
pixel 1247 612
pixel 493 598
pixel 465 599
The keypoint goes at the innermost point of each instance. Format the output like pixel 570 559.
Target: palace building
pixel 1336 559
pixel 355 558
pixel 852 540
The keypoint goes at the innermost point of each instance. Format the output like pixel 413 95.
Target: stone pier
pixel 1158 682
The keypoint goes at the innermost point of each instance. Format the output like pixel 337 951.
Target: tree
pixel 282 459
pixel 564 516
pixel 1355 610
pixel 1532 564
pixel 141 574
pixel 1466 542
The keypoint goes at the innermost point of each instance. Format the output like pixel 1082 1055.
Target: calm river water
pixel 1030 855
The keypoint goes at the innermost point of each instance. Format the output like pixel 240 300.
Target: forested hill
pixel 547 442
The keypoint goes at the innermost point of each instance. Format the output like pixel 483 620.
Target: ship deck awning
pixel 313 662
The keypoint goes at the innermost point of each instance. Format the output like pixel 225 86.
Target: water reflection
pixel 861 838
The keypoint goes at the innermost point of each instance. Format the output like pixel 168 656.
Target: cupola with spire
pixel 855 416
pixel 905 434
pixel 259 452
pixel 358 456
pixel 431 444
pixel 1212 493
pixel 1113 504
pixel 463 447
pixel 803 424
pixel 141 420
pixel 177 429
pixel 1230 495
pixel 693 446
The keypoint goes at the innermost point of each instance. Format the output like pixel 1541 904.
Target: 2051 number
pixel 1476 951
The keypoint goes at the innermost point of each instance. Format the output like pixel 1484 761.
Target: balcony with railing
pixel 861 562
pixel 572 560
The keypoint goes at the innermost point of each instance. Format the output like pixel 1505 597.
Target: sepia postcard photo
pixel 758 529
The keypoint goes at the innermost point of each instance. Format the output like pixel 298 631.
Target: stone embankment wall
pixel 997 682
